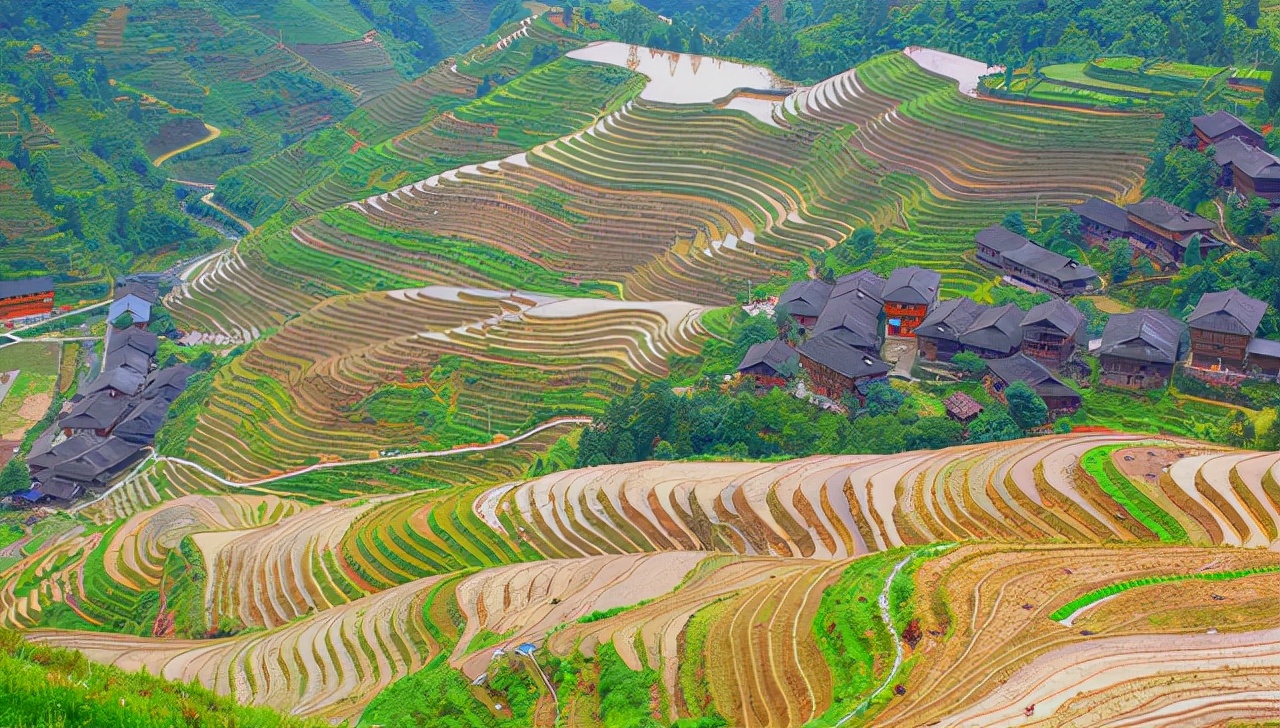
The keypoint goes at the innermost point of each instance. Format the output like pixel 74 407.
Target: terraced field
pixel 428 369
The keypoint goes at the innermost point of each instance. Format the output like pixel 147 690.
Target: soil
pixel 1144 464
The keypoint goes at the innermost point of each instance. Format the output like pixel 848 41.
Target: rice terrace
pixel 639 363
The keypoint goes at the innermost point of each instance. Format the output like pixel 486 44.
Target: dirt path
pixel 208 200
pixel 214 133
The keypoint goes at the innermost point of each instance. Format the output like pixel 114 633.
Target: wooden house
pixel 1139 349
pixel 765 363
pixel 1264 357
pixel 26 297
pixel 1222 325
pixel 1213 129
pixel 1101 221
pixel 1032 265
pixel 995 333
pixel 836 368
pixel 962 408
pixel 938 336
pixel 1051 331
pixel 1057 396
pixel 909 295
pixel 1165 230
pixel 1250 170
pixel 803 301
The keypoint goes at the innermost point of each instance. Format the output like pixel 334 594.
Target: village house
pixel 938 336
pixel 1139 349
pixel 766 362
pixel 26 297
pixel 98 413
pixel 909 295
pixel 1250 170
pixel 1057 396
pixel 836 368
pixel 1051 331
pixel 851 323
pixel 134 298
pixel 1213 129
pixel 1031 265
pixel 1164 231
pixel 995 333
pixel 1264 357
pixel 1222 326
pixel 962 408
pixel 1101 222
pixel 803 301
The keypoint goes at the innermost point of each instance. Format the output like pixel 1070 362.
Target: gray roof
pixel 142 424
pixel 1255 163
pixel 949 319
pixel 912 285
pixel 995 329
pixel 1264 347
pixel 59 488
pixel 1143 335
pixel 848 319
pixel 98 411
pixel 25 286
pixel 125 381
pixel 167 383
pixel 1218 123
pixel 70 448
pixel 850 361
pixel 138 308
pixel 862 285
pixel 127 356
pixel 1001 239
pixel 805 298
pixel 962 405
pixel 1022 368
pixel 1049 263
pixel 140 339
pixel 772 353
pixel 99 464
pixel 1228 312
pixel 141 289
pixel 1056 313
pixel 1169 216
pixel 1103 213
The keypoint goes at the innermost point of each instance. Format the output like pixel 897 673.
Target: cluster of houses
pixel 841 328
pixel 106 427
pixel 1159 230
pixel 1241 151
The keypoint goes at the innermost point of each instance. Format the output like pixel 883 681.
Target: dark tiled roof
pixel 25 286
pixel 912 285
pixel 1228 312
pixel 70 448
pixel 59 488
pixel 1103 213
pixel 99 464
pixel 1169 216
pixel 127 356
pixel 962 406
pixel 1264 347
pixel 1022 368
pixel 1143 335
pixel 1218 123
pixel 1048 263
pixel 861 285
pixel 167 383
pixel 1056 313
pixel 125 381
pixel 995 329
pixel 1253 162
pixel 772 353
pixel 998 238
pixel 805 298
pixel 949 319
pixel 854 324
pixel 847 360
pixel 96 412
pixel 141 289
pixel 142 424
pixel 140 339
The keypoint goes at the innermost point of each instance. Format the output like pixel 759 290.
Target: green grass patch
pixel 1097 463
pixel 1098 595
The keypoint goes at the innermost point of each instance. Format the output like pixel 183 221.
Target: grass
pixel 1097 463
pixel 37 365
pixel 1097 595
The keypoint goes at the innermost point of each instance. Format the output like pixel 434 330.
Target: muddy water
pixel 680 78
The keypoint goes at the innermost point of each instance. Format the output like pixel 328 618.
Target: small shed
pixel 962 408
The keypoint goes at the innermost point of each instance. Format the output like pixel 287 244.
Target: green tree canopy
pixel 1025 406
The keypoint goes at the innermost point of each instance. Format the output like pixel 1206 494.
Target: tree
pixel 123 321
pixel 932 433
pixel 858 249
pixel 1192 257
pixel 1250 220
pixel 1122 262
pixel 1025 406
pixel 1272 93
pixel 969 363
pixel 1249 11
pixel 757 329
pixel 14 477
pixel 994 426
pixel 1014 223
pixel 883 399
